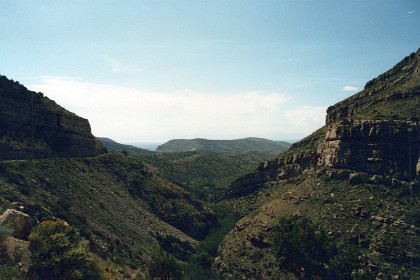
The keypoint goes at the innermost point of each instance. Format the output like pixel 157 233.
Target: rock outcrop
pixel 19 222
pixel 379 147
pixel 33 126
pixel 357 178
pixel 377 100
pixel 387 142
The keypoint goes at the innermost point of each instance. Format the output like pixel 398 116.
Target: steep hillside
pixel 120 204
pixel 394 95
pixel 225 146
pixel 357 179
pixel 33 126
pixel 52 167
pixel 111 145
pixel 205 174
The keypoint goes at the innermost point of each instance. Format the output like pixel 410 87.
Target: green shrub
pixel 4 233
pixel 58 252
pixel 7 269
pixel 413 216
pixel 164 267
pixel 301 248
pixel 305 251
pixel 8 272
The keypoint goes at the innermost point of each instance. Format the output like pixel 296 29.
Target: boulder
pixel 19 222
pixel 376 179
pixel 338 174
pixel 357 178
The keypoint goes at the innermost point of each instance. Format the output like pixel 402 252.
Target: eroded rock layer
pixel 32 126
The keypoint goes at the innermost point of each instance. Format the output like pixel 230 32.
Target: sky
pixel 151 71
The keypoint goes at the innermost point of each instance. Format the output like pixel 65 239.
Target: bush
pixel 4 233
pixel 305 251
pixel 7 268
pixel 301 248
pixel 58 252
pixel 164 267
pixel 8 272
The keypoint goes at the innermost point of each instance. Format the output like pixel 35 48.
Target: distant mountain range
pixel 237 146
pixel 112 145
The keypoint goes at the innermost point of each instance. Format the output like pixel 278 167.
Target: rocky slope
pixel 33 126
pixel 382 145
pixel 357 178
pixel 52 167
pixel 225 146
pixel 205 174
pixel 120 204
pixel 377 100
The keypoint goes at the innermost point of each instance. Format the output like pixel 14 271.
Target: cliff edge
pixel 33 126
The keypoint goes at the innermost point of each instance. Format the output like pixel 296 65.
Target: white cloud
pixel 411 12
pixel 305 118
pixel 349 88
pixel 127 114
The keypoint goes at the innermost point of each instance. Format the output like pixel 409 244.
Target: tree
pixel 305 251
pixel 164 267
pixel 58 252
pixel 302 249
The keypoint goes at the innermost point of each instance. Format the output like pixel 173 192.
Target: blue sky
pixel 157 70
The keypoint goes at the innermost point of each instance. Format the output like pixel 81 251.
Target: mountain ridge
pixel 235 146
pixel 112 145
pixel 357 178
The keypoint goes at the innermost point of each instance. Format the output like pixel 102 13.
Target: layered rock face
pixel 31 125
pixel 375 131
pixel 357 178
pixel 375 147
pixel 380 147
pixel 273 170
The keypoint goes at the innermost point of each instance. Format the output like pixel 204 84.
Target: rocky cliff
pixel 382 95
pixel 372 146
pixel 386 143
pixel 357 178
pixel 32 126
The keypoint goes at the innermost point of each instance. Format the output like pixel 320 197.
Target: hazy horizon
pixel 151 71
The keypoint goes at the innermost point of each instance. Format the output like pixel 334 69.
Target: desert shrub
pixel 301 248
pixel 8 272
pixel 305 251
pixel 164 267
pixel 7 269
pixel 4 233
pixel 345 261
pixel 62 210
pixel 59 252
pixel 413 216
pixel 199 267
